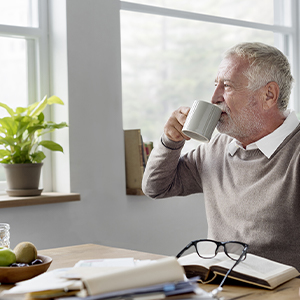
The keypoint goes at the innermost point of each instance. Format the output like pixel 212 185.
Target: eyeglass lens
pixel 208 249
pixel 234 250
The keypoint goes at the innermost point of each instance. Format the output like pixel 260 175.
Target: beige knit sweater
pixel 248 197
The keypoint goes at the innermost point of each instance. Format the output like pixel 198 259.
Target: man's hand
pixel 173 127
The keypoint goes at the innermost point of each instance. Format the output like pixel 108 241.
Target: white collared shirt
pixel 269 143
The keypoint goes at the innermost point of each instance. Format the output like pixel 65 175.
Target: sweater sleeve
pixel 168 174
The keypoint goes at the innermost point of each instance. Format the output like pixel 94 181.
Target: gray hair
pixel 267 64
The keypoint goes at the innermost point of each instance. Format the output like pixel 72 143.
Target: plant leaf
pixel 6 160
pixel 4 153
pixel 38 156
pixel 9 110
pixel 23 123
pixel 9 125
pixel 54 99
pixel 51 125
pixel 31 107
pixel 2 130
pixel 51 145
pixel 20 156
pixel 7 141
pixel 34 128
pixel 39 108
pixel 41 117
pixel 20 110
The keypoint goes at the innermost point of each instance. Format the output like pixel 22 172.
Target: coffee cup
pixel 201 121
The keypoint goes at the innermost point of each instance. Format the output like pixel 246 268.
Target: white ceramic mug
pixel 201 120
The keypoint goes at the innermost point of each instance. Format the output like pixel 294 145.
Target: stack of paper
pixel 110 278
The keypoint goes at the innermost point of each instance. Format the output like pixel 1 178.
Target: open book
pixel 254 269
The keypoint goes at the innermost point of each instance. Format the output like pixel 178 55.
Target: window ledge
pixel 44 198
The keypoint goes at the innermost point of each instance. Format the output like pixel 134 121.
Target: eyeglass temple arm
pixel 228 272
pixel 236 263
pixel 220 287
pixel 184 249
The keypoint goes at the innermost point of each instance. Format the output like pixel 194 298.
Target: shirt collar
pixel 269 143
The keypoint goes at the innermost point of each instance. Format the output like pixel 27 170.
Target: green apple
pixel 7 257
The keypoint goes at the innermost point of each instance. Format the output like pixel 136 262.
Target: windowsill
pixel 45 198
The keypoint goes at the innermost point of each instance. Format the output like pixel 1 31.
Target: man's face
pixel 242 108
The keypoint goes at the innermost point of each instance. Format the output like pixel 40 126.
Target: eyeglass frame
pixel 218 244
pixel 242 257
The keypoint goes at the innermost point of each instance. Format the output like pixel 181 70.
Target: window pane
pixel 13 76
pixel 169 62
pixel 247 10
pixel 13 72
pixel 19 12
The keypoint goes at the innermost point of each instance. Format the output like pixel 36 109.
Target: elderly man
pixel 250 171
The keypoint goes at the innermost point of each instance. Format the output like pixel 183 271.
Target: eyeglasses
pixel 206 248
pixel 209 248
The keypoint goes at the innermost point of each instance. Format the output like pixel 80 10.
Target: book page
pixel 271 271
pixel 195 259
pixel 258 267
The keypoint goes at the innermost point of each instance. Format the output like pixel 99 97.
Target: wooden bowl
pixel 15 274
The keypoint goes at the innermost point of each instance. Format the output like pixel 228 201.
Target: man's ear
pixel 271 95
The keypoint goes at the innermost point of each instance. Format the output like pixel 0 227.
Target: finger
pixel 173 128
pixel 181 114
pixel 184 110
pixel 174 134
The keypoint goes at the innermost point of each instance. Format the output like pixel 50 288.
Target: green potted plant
pixel 20 140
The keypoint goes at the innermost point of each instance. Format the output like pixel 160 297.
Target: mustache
pixel 223 107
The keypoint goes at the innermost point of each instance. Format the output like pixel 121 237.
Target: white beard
pixel 247 124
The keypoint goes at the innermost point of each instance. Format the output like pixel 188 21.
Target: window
pixel 171 50
pixel 23 55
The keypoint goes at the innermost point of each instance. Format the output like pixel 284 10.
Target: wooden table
pixel 65 257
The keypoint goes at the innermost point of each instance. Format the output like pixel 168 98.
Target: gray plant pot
pixel 23 179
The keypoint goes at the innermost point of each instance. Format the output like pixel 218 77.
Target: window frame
pixel 287 39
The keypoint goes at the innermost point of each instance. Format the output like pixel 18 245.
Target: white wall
pixel 86 75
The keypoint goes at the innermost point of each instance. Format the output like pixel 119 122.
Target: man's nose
pixel 217 96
